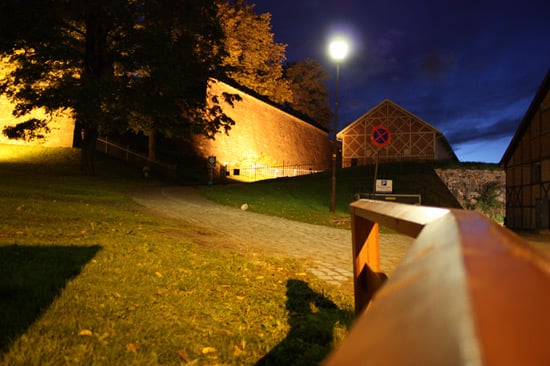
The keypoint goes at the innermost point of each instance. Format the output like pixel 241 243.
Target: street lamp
pixel 338 50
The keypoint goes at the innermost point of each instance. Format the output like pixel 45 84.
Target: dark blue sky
pixel 469 68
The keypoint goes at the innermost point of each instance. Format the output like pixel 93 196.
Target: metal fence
pixel 134 158
pixel 254 172
pixel 249 172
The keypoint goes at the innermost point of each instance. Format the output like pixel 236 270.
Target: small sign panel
pixel 211 161
pixel 384 186
pixel 380 136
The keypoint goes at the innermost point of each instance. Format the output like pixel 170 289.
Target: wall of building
pixel 61 123
pixel 528 175
pixel 410 138
pixel 264 135
pixel 61 126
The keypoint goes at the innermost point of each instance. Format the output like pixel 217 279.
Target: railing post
pixel 468 292
pixel 366 260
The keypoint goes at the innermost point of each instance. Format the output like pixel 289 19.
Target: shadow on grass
pixel 312 318
pixel 30 279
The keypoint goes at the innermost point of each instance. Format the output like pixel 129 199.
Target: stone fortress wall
pixel 264 135
pixel 466 184
pixel 61 123
pixel 61 126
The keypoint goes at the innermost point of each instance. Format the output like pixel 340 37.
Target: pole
pixel 375 172
pixel 334 145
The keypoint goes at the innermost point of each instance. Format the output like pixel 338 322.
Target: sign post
pixel 380 137
pixel 211 167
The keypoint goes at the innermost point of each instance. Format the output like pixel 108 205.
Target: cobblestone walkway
pixel 327 249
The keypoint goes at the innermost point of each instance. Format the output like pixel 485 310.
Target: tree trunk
pixel 77 134
pixel 94 68
pixel 152 145
pixel 87 156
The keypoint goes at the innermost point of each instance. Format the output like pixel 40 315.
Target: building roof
pixel 527 118
pixel 439 135
pixel 393 104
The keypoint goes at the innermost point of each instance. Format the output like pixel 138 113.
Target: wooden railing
pixel 468 292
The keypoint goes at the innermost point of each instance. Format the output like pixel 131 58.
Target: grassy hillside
pixel 306 198
pixel 88 277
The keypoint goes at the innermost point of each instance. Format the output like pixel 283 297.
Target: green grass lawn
pixel 306 198
pixel 87 277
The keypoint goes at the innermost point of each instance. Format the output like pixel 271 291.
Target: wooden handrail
pixel 468 292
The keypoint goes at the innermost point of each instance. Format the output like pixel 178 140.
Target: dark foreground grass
pixel 87 277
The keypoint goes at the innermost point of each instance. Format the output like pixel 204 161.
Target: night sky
pixel 468 68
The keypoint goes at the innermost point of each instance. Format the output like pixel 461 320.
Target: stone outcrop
pixel 468 185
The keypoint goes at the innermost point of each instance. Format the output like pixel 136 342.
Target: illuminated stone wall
pixel 264 135
pixel 467 184
pixel 61 124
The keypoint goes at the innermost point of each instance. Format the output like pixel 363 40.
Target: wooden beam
pixel 468 292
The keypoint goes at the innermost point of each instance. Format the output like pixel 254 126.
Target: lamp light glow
pixel 338 49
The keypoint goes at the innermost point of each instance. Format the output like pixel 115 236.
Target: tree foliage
pixel 31 129
pixel 255 61
pixel 487 201
pixel 310 95
pixel 252 57
pixel 143 65
pixel 117 64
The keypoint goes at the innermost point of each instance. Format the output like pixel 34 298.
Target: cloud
pixel 470 132
pixel 436 65
pixel 387 44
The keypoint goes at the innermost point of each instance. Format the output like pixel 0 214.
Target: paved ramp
pixel 327 249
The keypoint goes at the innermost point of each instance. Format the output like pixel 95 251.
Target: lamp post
pixel 338 50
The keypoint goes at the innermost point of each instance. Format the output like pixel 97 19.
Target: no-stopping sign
pixel 380 136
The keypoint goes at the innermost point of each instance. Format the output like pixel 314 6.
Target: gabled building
pixel 411 138
pixel 527 165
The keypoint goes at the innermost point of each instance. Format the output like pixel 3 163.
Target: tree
pixel 310 95
pixel 253 59
pixel 118 64
pixel 487 201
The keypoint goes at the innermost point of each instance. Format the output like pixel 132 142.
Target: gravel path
pixel 328 250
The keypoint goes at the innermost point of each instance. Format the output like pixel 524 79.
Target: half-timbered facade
pixel 527 165
pixel 410 138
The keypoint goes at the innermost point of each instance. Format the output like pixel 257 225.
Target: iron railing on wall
pixel 468 292
pixel 140 160
pixel 255 171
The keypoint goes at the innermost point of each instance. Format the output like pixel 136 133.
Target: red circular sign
pixel 380 136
